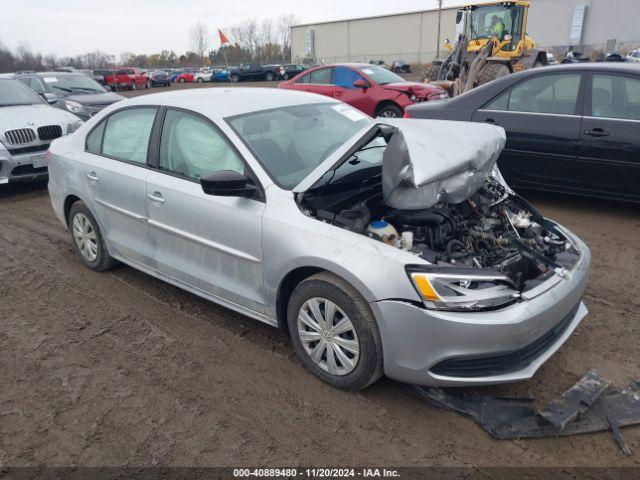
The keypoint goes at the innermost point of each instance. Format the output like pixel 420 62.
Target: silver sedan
pixel 383 248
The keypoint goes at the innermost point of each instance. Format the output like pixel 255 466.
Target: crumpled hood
pixel 431 161
pixel 33 116
pixel 106 98
pixel 415 87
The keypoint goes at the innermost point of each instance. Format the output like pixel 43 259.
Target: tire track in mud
pixel 120 368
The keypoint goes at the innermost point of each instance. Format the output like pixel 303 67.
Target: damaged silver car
pixel 388 246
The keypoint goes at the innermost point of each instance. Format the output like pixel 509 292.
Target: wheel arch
pixel 296 275
pixel 68 203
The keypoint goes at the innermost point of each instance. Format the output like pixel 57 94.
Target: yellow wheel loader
pixel 492 43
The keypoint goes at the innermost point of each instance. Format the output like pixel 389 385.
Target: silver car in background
pixel 380 247
pixel 27 127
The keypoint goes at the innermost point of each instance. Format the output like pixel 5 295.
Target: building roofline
pixel 370 17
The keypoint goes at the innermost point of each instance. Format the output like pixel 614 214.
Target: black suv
pixel 254 71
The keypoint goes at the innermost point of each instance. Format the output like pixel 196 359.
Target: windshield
pixel 381 75
pixel 67 84
pixel 498 21
pixel 290 142
pixel 13 93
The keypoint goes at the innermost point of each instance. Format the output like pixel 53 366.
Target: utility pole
pixel 439 19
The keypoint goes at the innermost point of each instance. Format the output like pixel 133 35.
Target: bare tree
pixel 199 37
pixel 250 28
pixel 284 24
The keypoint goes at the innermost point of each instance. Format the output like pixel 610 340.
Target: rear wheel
pixel 235 78
pixel 200 80
pixel 334 332
pixel 491 72
pixel 87 239
pixel 181 80
pixel 389 111
pixel 133 86
pixel 269 77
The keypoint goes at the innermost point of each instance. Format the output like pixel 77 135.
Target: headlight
pixel 456 290
pixel 72 127
pixel 73 107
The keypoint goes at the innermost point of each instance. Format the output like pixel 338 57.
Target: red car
pixel 186 77
pixel 129 78
pixel 372 89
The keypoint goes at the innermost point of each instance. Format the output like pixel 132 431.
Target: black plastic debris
pixel 576 400
pixel 514 417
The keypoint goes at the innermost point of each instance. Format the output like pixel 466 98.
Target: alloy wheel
pixel 328 336
pixel 85 237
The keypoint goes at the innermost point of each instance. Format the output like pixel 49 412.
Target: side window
pixel 192 147
pixel 94 139
pixel 304 79
pixel 322 76
pixel 500 103
pixel 554 94
pixel 127 133
pixel 345 77
pixel 614 96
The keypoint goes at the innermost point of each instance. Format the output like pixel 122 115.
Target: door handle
pixel 491 121
pixel 339 93
pixel 155 197
pixel 92 177
pixel 596 132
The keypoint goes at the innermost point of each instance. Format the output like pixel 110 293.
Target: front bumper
pixel 29 167
pixel 417 342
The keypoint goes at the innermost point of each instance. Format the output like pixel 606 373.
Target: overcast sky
pixel 70 27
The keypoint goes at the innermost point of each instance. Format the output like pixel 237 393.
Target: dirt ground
pixel 117 368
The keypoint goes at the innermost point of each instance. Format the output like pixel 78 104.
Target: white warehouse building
pixel 606 25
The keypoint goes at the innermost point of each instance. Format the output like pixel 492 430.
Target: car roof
pixel 219 103
pixel 623 67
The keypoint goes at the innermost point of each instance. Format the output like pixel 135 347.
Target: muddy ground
pixel 118 368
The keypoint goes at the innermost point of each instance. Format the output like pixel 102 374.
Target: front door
pixel 343 89
pixel 541 116
pixel 211 243
pixel 115 171
pixel 610 148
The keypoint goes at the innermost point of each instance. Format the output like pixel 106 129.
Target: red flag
pixel 223 38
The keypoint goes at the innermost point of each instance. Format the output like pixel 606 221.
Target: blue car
pixel 174 75
pixel 222 75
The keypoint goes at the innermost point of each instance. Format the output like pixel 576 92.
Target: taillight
pixel 406 114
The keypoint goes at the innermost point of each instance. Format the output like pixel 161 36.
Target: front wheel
pixel 235 78
pixel 181 80
pixel 390 111
pixel 491 72
pixel 334 332
pixel 269 77
pixel 87 238
pixel 133 86
pixel 200 80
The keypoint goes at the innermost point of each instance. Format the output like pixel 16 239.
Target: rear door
pixel 343 89
pixel 542 116
pixel 316 81
pixel 115 171
pixel 209 242
pixel 610 149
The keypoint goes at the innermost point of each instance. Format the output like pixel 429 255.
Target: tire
pixel 431 73
pixel 92 252
pixel 147 85
pixel 181 80
pixel 269 77
pixel 491 72
pixel 235 78
pixel 200 80
pixel 285 76
pixel 133 86
pixel 389 111
pixel 351 371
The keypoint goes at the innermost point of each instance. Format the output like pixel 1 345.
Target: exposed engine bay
pixel 491 229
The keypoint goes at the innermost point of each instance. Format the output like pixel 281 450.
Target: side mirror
pixel 361 84
pixel 50 98
pixel 228 183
